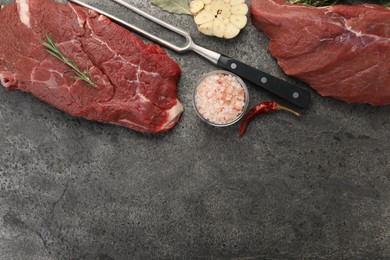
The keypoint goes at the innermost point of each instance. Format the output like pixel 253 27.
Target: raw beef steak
pixel 341 51
pixel 135 83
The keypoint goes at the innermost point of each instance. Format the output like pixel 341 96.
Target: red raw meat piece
pixel 135 82
pixel 341 51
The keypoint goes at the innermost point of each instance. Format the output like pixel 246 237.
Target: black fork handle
pixel 289 92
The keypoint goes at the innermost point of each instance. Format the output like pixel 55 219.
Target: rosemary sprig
pixel 315 3
pixel 54 51
pixel 319 3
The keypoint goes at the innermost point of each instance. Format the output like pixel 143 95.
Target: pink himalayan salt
pixel 220 98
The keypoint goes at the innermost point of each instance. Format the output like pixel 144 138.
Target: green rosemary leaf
pixel 47 45
pixel 78 77
pixel 54 54
pixel 52 49
pixel 49 39
pixel 319 3
pixel 315 3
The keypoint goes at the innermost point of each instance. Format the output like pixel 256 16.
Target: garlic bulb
pixel 220 18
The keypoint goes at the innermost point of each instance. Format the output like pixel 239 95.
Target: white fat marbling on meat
pixel 24 12
pixel 102 18
pixel 130 123
pixel 80 21
pixel 116 55
pixel 5 79
pixel 174 112
pixel 2 80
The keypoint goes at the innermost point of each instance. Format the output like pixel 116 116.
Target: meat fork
pixel 289 92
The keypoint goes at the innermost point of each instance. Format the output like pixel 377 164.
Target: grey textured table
pixel 318 186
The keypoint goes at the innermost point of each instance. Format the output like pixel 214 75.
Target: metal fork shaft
pixel 141 31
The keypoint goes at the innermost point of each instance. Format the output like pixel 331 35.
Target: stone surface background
pixel 314 187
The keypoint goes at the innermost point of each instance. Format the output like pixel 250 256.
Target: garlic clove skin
pixel 239 9
pixel 203 17
pixel 231 31
pixel 206 28
pixel 196 6
pixel 239 20
pixel 236 2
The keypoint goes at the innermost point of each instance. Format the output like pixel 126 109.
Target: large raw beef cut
pixel 341 51
pixel 135 83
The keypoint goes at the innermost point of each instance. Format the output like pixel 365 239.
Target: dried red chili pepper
pixel 261 108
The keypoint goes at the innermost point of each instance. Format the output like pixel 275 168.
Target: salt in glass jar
pixel 221 98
